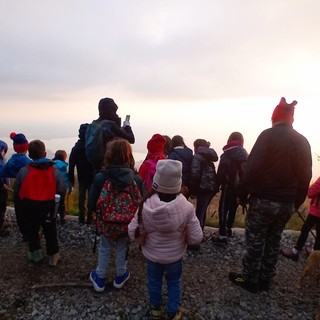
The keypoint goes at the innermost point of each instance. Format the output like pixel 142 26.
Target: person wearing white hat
pixel 164 225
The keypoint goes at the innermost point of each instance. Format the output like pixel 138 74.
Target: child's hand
pixel 5 187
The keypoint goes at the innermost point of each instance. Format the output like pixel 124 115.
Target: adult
pixel 78 159
pixel 277 177
pixel 183 154
pixel 110 123
pixel 229 175
pixel 203 184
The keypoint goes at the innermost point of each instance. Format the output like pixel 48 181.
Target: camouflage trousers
pixel 265 222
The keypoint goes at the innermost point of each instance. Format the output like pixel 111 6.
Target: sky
pixel 200 69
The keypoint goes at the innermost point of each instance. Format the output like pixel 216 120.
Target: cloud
pixel 160 50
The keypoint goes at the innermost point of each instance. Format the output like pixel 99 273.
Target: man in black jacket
pixel 276 177
pixel 78 160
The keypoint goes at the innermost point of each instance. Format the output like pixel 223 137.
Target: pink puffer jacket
pixel 169 227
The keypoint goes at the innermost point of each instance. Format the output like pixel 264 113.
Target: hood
pixel 234 153
pixel 61 165
pixel 120 176
pixel 208 153
pixel 43 163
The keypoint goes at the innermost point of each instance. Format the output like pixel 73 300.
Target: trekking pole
pixel 304 220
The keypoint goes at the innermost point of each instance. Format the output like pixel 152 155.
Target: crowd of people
pixel 151 206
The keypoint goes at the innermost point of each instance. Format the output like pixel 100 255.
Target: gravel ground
pixel 40 292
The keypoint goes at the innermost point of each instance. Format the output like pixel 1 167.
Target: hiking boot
pixel 119 281
pixel 98 283
pixel 220 240
pixel 229 233
pixel 53 260
pixel 156 313
pixel 240 281
pixel 290 253
pixel 175 316
pixel 4 233
pixel 35 256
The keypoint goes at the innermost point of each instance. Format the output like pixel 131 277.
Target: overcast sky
pixel 201 69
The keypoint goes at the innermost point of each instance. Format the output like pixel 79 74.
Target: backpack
pixel 116 208
pixel 97 135
pixel 38 184
pixel 151 172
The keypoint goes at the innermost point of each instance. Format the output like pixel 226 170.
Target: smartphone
pixel 128 117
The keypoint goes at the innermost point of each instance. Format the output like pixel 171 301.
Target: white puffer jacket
pixel 169 227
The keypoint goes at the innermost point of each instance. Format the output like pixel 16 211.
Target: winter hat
pixel 83 130
pixel 107 107
pixel 3 146
pixel 20 142
pixel 284 111
pixel 156 143
pixel 167 178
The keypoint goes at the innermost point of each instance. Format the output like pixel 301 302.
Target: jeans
pixel 105 250
pixel 306 228
pixel 172 273
pixel 203 200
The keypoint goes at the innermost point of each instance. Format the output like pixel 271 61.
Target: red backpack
pixel 38 184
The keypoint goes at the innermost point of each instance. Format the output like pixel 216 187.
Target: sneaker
pixel 156 313
pixel 98 283
pixel 35 256
pixel 290 254
pixel 240 281
pixel 53 260
pixel 219 240
pixel 175 316
pixel 229 233
pixel 119 281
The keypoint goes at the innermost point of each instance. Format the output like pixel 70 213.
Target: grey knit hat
pixel 167 178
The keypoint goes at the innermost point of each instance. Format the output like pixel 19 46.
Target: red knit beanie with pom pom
pixel 284 111
pixel 20 143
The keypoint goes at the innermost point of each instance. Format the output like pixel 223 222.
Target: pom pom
pixel 12 135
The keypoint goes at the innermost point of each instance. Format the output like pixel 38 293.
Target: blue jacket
pixel 62 167
pixel 14 164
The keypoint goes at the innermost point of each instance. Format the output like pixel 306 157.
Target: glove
pixel 126 123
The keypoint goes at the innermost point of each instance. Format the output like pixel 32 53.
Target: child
pixel 60 158
pixel 3 190
pixel 164 225
pixel 203 180
pixel 147 169
pixel 119 175
pixel 229 174
pixel 17 161
pixel 313 219
pixel 35 187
